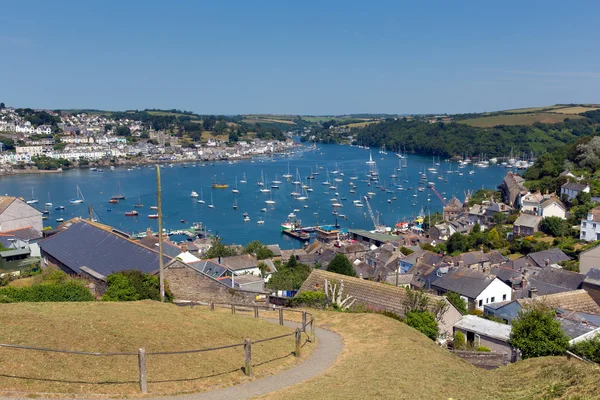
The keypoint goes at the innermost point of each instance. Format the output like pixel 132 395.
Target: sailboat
pixel 139 203
pixel 120 195
pixel 211 205
pixel 236 187
pixel 33 200
pixel 80 199
pixel 265 189
pixel 221 185
pixel 235 206
pixel 49 203
pixel 201 201
pixel 288 175
pixel 270 201
pixel 244 179
pixel 261 181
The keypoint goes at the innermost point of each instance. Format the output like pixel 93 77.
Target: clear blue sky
pixel 301 57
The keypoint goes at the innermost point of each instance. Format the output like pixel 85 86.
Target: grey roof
pixel 573 186
pixel 15 252
pixel 169 249
pixel 574 329
pixel 519 264
pixel 27 233
pixel 555 255
pixel 472 257
pixel 209 268
pixel 465 281
pixel 506 274
pixel 561 277
pixel 593 276
pixel 84 244
pixel 235 263
pixel 530 221
pixel 484 327
pixel 551 200
pixel 275 249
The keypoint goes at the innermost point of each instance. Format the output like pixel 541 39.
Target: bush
pixel 289 276
pixel 589 349
pixel 424 322
pixel 309 299
pixel 460 342
pixel 47 292
pixel 483 349
pixel 341 265
pixel 133 286
pixel 457 301
pixel 536 333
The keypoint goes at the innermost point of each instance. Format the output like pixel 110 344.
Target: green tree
pixel 554 226
pixel 341 265
pixel 257 249
pixel 537 334
pixel 134 285
pixel 457 301
pixel 589 349
pixel 424 322
pixel 123 130
pixel 457 243
pixel 218 249
pixel 289 276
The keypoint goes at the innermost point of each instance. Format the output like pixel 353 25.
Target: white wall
pixel 553 210
pixel 496 290
pixel 20 215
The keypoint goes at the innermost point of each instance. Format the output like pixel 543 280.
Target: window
pixel 487 301
pixel 503 297
pixel 480 303
pixel 493 299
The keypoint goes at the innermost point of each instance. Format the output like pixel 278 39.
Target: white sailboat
pixel 244 178
pixel 288 175
pixel 261 181
pixel 80 199
pixel 49 203
pixel 236 191
pixel 211 205
pixel 270 201
pixel 201 201
pixel 33 200
pixel 265 189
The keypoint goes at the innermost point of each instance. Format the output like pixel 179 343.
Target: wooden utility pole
pixel 90 212
pixel 160 237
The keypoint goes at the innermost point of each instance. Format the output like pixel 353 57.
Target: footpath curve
pixel 329 347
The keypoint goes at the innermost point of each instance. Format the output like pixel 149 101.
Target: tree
pixel 424 322
pixel 537 334
pixel 460 341
pixel 2 106
pixel 341 265
pixel 589 348
pixel 583 197
pixel 457 301
pixel 554 226
pixel 257 249
pixel 218 249
pixel 132 286
pixel 123 131
pixel 289 276
pixel 457 243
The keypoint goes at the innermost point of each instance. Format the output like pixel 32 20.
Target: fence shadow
pixel 82 382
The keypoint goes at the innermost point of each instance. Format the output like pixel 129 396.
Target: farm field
pixel 516 119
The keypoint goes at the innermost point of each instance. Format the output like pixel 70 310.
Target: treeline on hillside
pixel 37 118
pixel 451 139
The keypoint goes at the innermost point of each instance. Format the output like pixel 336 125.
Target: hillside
pixel 124 327
pixel 386 359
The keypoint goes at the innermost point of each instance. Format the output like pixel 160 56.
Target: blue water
pixel 178 182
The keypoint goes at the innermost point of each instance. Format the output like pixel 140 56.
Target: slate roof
pixel 555 255
pixel 275 249
pixel 169 249
pixel 84 244
pixel 235 263
pixel 595 212
pixel 208 267
pixel 573 186
pixel 423 275
pixel 465 281
pixel 574 300
pixel 593 276
pixel 454 203
pixel 496 257
pixel 574 329
pixel 520 264
pixel 527 220
pixel 27 233
pixel 560 277
pixel 472 257
pixel 484 327
pixel 506 274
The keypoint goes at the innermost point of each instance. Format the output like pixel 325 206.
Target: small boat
pixel 49 203
pixel 45 212
pixel 235 206
pixel 153 216
pixel 59 208
pixel 131 213
pixel 60 219
pixel 244 179
pixel 33 200
pixel 119 196
pixel 194 194
pixel 80 199
pixel 139 203
pixel 201 201
pixel 246 219
pixel 221 185
pixel 153 207
pixel 211 205
pixel 113 201
pixel 260 222
pixel 263 209
pixel 182 221
pixel 44 217
pixel 236 191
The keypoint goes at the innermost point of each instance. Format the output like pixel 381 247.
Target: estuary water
pixel 331 162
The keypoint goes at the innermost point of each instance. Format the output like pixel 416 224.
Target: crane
pixel 378 228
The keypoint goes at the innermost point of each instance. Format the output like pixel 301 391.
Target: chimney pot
pixel 547 262
pixel 533 293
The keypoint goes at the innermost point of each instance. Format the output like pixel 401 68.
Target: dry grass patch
pixel 385 359
pixel 574 110
pixel 125 327
pixel 516 119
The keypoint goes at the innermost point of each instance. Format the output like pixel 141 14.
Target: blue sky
pixel 303 57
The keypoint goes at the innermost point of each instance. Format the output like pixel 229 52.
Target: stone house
pixel 591 284
pixel 513 189
pixel 478 260
pixel 240 265
pixel 452 209
pixel 571 189
pixel 526 225
pixel 482 332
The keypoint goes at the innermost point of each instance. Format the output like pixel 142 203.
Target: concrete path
pixel 329 347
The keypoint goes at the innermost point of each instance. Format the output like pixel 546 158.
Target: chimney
pixel 547 262
pixel 219 259
pixel 533 293
pixel 184 247
pixel 461 263
pixel 149 232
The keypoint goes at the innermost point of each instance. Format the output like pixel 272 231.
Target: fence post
pixel 142 368
pixel 212 306
pixel 281 316
pixel 304 321
pixel 255 311
pixel 312 329
pixel 298 340
pixel 233 309
pixel 248 357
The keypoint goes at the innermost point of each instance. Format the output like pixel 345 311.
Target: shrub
pixel 457 301
pixel 48 292
pixel 460 341
pixel 536 333
pixel 424 322
pixel 589 349
pixel 341 265
pixel 133 286
pixel 309 299
pixel 483 349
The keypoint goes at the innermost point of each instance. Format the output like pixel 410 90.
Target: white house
pixel 31 150
pixel 572 189
pixel 241 265
pixel 475 287
pixel 553 207
pixel 590 227
pixel 531 202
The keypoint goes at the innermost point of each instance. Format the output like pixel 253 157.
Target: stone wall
pixel 188 284
pixel 483 359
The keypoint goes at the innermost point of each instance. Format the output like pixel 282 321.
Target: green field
pixel 516 119
pixel 531 109
pixel 125 327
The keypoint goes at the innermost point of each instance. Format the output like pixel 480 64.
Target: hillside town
pixel 84 138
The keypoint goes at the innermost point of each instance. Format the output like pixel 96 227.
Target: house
pixel 571 189
pixel 476 288
pixel 444 230
pixel 591 284
pixel 512 188
pixel 151 242
pixel 547 258
pixel 479 260
pixel 239 265
pixel 275 250
pixel 589 259
pixel 578 326
pixel 210 282
pixel 94 251
pixel 507 311
pixel 384 256
pixel 526 225
pixel 590 227
pixel 417 256
pixel 16 214
pixel 452 209
pixel 553 207
pixel 482 332
pixel 497 208
pixel 379 296
pixel 531 203
pixel 549 281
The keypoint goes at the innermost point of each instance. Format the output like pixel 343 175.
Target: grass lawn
pixel 118 327
pixel 360 124
pixel 532 109
pixel 265 120
pixel 385 359
pixel 516 119
pixel 574 110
